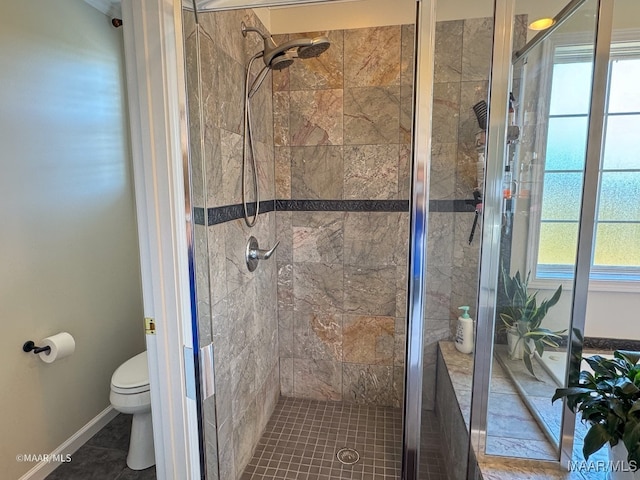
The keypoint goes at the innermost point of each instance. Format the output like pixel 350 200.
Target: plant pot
pixel 515 344
pixel 618 466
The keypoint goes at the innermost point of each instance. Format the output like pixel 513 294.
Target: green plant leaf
pixel 507 319
pixel 554 299
pixel 587 378
pixel 629 356
pixel 631 436
pixel 550 343
pixel 618 408
pixel 527 361
pixel 635 407
pixel 572 392
pixel 594 440
pixel 601 366
pixel 626 386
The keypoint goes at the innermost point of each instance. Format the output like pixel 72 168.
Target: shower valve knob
pixel 255 253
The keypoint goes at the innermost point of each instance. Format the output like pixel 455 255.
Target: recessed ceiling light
pixel 541 24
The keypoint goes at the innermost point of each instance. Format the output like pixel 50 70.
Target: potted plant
pixel 522 318
pixel 609 400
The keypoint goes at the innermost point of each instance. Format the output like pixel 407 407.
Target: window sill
pixel 594 285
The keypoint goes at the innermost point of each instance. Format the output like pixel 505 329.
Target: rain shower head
pixel 303 47
pixel 278 57
pixel 318 46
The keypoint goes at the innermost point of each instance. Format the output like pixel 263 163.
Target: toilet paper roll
pixel 62 345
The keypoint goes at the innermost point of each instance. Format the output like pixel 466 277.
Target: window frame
pixel 574 48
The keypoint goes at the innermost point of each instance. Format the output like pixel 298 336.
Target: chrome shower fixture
pixel 281 56
pixel 275 57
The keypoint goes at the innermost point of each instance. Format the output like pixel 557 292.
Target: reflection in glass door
pixel 543 175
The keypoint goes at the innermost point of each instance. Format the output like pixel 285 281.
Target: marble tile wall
pixel 237 311
pixel 453 422
pixel 461 79
pixel 342 126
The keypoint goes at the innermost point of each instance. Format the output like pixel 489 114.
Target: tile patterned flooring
pixel 303 437
pixel 104 457
pixel 301 441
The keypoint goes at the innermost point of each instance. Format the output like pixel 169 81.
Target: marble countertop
pixel 512 452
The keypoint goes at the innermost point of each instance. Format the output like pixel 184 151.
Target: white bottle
pixel 464 332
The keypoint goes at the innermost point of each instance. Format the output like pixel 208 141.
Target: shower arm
pixel 245 30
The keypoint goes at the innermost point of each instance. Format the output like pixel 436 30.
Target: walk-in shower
pixel 309 346
pixel 275 57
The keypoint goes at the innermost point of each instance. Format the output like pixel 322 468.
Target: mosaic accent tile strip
pixel 342 205
pixel 233 212
pixel 227 213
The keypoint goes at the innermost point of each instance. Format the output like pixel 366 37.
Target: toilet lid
pixel 132 376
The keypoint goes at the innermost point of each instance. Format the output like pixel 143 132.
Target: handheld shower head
pixel 318 46
pixel 278 63
pixel 281 62
pixel 279 57
pixel 305 48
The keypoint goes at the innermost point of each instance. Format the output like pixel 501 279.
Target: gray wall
pixel 69 250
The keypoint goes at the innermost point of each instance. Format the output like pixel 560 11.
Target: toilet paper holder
pixel 31 347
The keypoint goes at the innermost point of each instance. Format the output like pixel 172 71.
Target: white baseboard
pixel 72 444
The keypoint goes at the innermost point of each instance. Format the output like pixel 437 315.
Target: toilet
pixel 130 394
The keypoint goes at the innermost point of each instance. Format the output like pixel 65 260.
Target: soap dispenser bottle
pixel 464 332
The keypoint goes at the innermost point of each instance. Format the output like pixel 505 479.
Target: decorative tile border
pixel 198 215
pixel 342 205
pixel 452 206
pixel 227 213
pixel 597 343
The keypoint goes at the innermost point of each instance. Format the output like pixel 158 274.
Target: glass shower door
pixel 309 347
pixel 542 178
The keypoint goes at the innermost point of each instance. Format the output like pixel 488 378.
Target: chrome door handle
pixel 255 253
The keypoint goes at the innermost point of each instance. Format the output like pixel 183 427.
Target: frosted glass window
pixel 558 243
pixel 625 96
pixel 617 244
pixel 571 88
pixel 622 144
pixel 566 143
pixel 561 196
pixel 620 197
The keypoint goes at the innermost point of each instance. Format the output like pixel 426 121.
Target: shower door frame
pixel 157 97
pixel 503 58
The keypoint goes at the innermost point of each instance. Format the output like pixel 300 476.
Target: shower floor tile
pixel 303 437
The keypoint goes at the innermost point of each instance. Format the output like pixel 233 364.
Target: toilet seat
pixel 132 377
pixel 130 391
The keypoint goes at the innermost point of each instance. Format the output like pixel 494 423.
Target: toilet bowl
pixel 130 394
